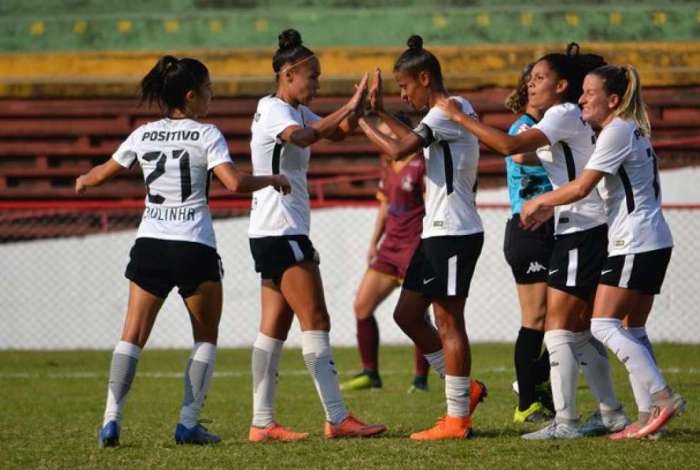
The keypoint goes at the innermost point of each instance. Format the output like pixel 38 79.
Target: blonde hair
pixel 624 82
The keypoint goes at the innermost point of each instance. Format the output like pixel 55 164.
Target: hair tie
pixel 287 68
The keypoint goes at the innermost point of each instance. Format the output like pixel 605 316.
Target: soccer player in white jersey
pixel 564 142
pixel 282 131
pixel 442 266
pixel 640 241
pixel 175 243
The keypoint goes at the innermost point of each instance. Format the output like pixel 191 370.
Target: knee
pixel 362 309
pixel 603 328
pixel 318 320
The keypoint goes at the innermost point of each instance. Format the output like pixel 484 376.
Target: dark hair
pixel 517 100
pixel 169 81
pixel 415 59
pixel 290 50
pixel 403 118
pixel 573 67
pixel 624 82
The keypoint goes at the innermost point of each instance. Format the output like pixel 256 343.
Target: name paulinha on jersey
pixel 169 136
pixel 179 214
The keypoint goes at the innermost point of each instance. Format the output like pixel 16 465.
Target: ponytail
pixel 624 82
pixel 170 79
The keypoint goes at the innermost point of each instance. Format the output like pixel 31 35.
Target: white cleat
pixel 598 424
pixel 554 430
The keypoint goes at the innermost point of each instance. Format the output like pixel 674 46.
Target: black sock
pixel 528 347
pixel 540 370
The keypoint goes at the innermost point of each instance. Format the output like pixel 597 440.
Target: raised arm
pixel 501 142
pixel 97 175
pixel 328 126
pixel 395 149
pixel 238 182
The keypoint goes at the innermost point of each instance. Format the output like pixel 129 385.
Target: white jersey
pixel 274 213
pixel 176 156
pixel 451 163
pixel 630 190
pixel 572 141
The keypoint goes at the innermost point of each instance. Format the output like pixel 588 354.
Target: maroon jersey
pixel 402 186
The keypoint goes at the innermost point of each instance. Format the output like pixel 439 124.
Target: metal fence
pixel 63 286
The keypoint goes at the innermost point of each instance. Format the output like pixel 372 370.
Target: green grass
pixel 51 404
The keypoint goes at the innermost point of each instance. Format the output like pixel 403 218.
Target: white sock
pixel 593 358
pixel 631 353
pixel 265 364
pixel 121 373
pixel 641 395
pixel 563 373
pixel 457 394
pixel 198 373
pixel 316 348
pixel 437 362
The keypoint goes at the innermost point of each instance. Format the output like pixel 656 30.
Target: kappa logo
pixel 535 267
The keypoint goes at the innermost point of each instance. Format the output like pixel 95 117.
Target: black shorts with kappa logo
pixel 528 252
pixel 444 266
pixel 577 260
pixel 158 265
pixel 643 272
pixel 273 255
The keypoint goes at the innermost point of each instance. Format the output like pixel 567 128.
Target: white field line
pixel 237 374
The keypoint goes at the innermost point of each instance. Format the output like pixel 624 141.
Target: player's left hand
pixel 533 214
pixel 449 107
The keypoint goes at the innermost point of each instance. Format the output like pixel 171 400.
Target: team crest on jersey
pixel 407 184
pixel 256 117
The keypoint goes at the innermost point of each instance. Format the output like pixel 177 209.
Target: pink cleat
pixel 352 427
pixel 673 404
pixel 275 432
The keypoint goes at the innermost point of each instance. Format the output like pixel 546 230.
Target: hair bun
pixel 289 39
pixel 573 49
pixel 415 42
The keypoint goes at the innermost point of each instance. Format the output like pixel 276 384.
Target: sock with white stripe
pixel 316 348
pixel 121 373
pixel 596 368
pixel 198 374
pixel 437 362
pixel 265 364
pixel 641 395
pixel 563 373
pixel 457 394
pixel 631 352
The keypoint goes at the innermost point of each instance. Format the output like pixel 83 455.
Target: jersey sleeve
pixel 277 117
pixel 611 149
pixel 216 148
pixel 126 153
pixel 559 123
pixel 436 126
pixel 309 116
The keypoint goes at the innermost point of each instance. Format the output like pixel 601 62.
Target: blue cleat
pixel 108 436
pixel 197 435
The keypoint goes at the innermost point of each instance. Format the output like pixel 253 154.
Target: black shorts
pixel 273 255
pixel 158 265
pixel 528 252
pixel 576 261
pixel 444 266
pixel 644 272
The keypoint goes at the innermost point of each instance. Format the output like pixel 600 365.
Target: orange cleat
pixel 275 432
pixel 352 427
pixel 448 427
pixel 477 393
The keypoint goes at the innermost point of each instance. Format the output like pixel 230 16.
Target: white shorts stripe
pixel 573 267
pixel 298 254
pixel 452 275
pixel 626 271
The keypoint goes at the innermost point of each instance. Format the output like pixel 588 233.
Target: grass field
pixel 51 404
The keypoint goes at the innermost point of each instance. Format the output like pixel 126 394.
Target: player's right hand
pixel 376 94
